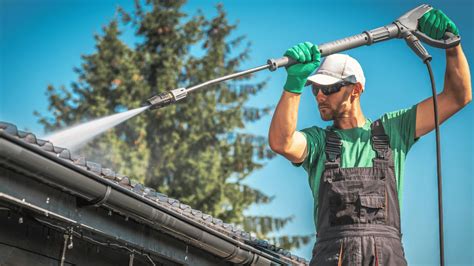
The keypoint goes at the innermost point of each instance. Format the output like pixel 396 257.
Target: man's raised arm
pixel 457 91
pixel 283 137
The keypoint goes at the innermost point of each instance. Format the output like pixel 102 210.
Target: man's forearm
pixel 457 81
pixel 284 121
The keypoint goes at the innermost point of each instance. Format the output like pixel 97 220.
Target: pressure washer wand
pixel 404 27
pixel 175 95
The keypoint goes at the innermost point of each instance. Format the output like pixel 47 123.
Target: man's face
pixel 335 105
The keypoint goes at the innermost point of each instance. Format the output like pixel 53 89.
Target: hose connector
pixel 166 98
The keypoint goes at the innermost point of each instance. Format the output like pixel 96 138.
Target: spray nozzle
pixel 166 98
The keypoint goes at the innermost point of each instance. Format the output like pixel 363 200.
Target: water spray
pixel 75 137
pixel 405 27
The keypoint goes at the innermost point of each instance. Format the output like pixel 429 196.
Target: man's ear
pixel 357 90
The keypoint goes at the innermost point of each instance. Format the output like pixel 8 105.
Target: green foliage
pixel 193 150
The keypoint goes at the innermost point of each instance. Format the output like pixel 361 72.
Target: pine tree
pixel 194 150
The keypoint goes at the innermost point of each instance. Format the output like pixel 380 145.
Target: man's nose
pixel 320 97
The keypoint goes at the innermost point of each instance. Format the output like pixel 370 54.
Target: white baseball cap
pixel 336 68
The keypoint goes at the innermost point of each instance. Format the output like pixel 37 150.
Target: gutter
pixel 48 168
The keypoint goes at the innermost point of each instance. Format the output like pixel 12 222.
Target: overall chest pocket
pixel 357 202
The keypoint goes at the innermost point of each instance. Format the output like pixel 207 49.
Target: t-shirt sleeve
pixel 400 126
pixel 313 137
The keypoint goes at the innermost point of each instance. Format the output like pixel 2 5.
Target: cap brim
pixel 321 79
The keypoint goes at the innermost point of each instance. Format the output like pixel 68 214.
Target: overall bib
pixel 358 213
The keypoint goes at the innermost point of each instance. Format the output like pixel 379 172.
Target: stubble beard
pixel 326 114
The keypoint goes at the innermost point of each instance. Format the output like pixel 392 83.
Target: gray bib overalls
pixel 358 212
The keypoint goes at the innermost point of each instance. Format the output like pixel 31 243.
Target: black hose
pixel 438 164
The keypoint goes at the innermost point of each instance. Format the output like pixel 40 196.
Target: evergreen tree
pixel 194 150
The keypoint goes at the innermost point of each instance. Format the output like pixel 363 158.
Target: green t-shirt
pixel 357 148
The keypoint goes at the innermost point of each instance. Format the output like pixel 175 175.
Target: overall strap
pixel 333 150
pixel 380 141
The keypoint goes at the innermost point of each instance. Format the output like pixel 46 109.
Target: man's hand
pixel 435 23
pixel 309 58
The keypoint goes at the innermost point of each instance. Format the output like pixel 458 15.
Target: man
pixel 355 166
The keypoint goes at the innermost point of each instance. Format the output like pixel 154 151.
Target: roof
pixel 171 205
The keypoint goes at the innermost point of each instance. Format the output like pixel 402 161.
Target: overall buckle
pixel 381 145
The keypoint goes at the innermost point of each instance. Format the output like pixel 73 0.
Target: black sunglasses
pixel 329 89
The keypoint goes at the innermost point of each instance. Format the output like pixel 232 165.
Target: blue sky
pixel 42 40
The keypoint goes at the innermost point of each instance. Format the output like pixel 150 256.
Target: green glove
pixel 309 58
pixel 435 23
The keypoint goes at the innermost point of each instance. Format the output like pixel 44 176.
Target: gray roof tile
pixel 94 167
